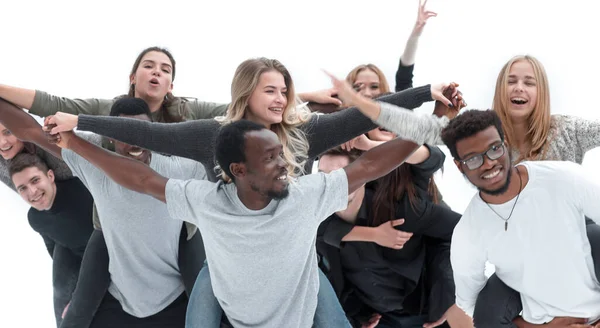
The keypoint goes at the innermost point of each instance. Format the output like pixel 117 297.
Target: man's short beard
pixel 500 190
pixel 278 195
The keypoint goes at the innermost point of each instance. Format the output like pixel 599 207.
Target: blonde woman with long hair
pixel 262 91
pixel 522 101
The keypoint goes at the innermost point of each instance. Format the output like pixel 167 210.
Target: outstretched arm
pixel 25 127
pixel 378 162
pixel 129 173
pixel 18 96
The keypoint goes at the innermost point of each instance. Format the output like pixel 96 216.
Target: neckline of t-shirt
pixel 236 199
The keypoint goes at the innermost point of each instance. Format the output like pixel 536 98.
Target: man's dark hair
pixel 468 124
pixel 231 144
pixel 26 160
pixel 130 107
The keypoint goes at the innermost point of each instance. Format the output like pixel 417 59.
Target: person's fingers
pixel 396 222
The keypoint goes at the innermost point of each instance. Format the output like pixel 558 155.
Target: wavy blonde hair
pixel 538 122
pixel 384 86
pixel 293 139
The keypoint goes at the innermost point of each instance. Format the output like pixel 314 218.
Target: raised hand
pixel 344 90
pixel 452 94
pixel 422 16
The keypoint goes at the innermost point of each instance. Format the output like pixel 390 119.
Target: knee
pixel 497 305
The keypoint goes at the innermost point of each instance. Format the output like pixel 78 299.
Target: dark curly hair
pixel 468 124
pixel 231 144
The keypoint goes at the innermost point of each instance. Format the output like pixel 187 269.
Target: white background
pixel 86 49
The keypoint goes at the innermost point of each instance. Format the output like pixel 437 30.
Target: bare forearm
pixel 410 50
pixel 419 156
pixel 18 96
pixel 360 234
pixel 25 127
pixel 17 121
pixel 378 162
pixel 129 173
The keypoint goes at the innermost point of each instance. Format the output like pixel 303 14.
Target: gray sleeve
pixel 191 139
pixel 45 104
pixel 325 193
pixel 587 133
pixel 198 110
pixel 185 198
pixel 420 128
pixel 4 177
pixel 81 168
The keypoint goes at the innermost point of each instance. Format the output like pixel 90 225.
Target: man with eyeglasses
pixel 529 221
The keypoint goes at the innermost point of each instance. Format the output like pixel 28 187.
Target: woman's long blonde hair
pixel 538 122
pixel 245 80
pixel 384 86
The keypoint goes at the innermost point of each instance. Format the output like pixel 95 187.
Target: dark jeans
pixel 94 277
pixel 110 314
pixel 65 270
pixel 92 285
pixel 498 305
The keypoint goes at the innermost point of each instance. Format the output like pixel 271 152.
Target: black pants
pixel 93 282
pixel 110 314
pixel 498 305
pixel 94 277
pixel 65 272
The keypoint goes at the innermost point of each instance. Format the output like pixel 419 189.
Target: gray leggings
pixel 498 305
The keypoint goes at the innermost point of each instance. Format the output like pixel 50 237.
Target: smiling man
pixel 60 212
pixel 529 221
pixel 260 230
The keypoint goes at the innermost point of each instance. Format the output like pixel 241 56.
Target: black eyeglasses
pixel 493 153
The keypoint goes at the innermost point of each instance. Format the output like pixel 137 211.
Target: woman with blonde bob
pixel 262 91
pixel 522 101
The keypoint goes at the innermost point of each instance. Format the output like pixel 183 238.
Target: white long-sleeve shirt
pixel 545 253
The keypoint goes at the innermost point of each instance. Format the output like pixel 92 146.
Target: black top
pixel 383 278
pixel 404 77
pixel 68 222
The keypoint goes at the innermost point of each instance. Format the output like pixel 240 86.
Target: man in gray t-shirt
pixel 142 241
pixel 259 232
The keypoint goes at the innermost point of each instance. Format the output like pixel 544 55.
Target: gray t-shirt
pixel 142 242
pixel 263 263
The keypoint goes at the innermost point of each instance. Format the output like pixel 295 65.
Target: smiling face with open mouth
pixel 268 101
pixel 522 90
pixel 36 187
pixel 10 146
pixel 493 176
